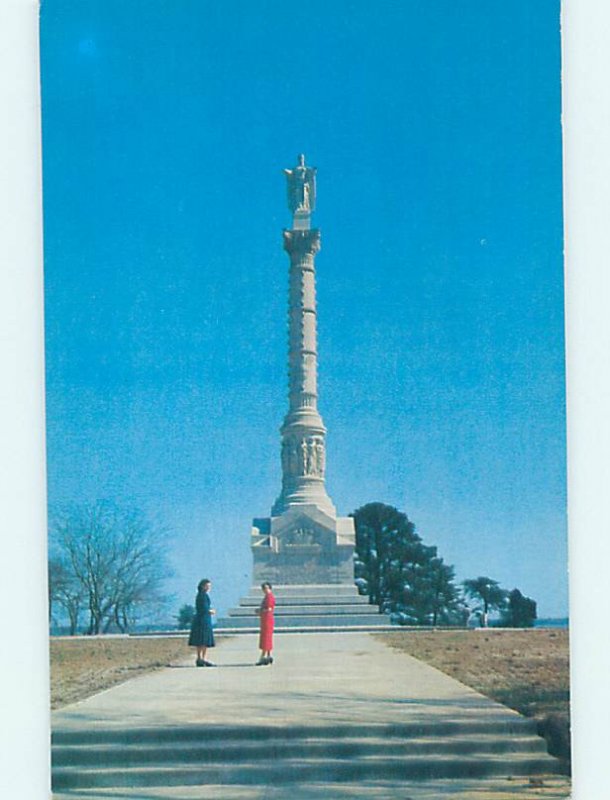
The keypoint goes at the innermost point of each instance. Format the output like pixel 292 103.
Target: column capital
pixel 302 242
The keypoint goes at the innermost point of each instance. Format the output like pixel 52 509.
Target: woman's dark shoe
pixel 208 664
pixel 261 662
pixel 270 660
pixel 200 662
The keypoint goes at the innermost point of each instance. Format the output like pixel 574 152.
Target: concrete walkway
pixel 327 688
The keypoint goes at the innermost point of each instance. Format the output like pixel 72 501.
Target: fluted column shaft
pixel 302 334
pixel 303 432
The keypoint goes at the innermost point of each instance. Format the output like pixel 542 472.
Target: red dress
pixel 265 640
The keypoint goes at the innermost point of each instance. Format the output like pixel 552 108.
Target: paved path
pixel 319 680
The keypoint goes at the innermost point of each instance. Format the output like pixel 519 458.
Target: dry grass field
pixel 527 670
pixel 83 665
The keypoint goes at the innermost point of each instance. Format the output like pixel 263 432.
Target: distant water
pixel 552 622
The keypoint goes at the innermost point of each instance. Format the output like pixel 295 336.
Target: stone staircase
pixel 309 607
pixel 334 755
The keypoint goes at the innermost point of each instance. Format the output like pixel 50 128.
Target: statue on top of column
pixel 301 187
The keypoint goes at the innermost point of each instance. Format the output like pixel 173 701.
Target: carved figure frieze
pixel 303 456
pixel 320 457
pixel 301 536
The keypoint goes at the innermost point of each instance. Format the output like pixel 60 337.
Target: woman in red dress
pixel 265 612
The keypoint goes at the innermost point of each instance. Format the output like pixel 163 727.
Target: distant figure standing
pixel 202 633
pixel 265 612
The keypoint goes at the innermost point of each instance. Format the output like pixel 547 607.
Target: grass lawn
pixel 82 666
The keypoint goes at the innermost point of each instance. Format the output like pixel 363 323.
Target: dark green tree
pixel 520 611
pixel 186 615
pixel 399 572
pixel 441 597
pixel 487 593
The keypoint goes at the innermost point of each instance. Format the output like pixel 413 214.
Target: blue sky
pixel 435 127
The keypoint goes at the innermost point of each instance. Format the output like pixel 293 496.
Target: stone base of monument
pixel 309 606
pixel 305 544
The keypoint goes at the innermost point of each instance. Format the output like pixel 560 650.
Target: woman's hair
pixel 202 584
pixel 266 583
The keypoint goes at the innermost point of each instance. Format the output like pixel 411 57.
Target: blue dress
pixel 202 633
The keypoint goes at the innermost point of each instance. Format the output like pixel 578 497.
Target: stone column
pixel 303 432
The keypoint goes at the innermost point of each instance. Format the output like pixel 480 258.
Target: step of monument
pixel 310 620
pixel 309 590
pixel 313 600
pixel 300 610
pixel 245 630
pixel 299 769
pixel 220 751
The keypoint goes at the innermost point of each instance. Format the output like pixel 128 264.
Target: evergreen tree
pixel 520 611
pixel 186 615
pixel 442 596
pixel 488 593
pixel 399 572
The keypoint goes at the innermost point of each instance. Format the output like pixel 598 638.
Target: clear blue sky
pixel 435 127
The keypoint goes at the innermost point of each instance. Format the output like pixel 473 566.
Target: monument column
pixel 303 432
pixel 303 542
pixel 304 548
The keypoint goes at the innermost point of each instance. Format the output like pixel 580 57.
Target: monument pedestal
pixel 304 545
pixel 307 555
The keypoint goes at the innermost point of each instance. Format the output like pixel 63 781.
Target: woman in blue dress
pixel 202 633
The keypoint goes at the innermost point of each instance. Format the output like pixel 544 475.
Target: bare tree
pixel 118 559
pixel 65 591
